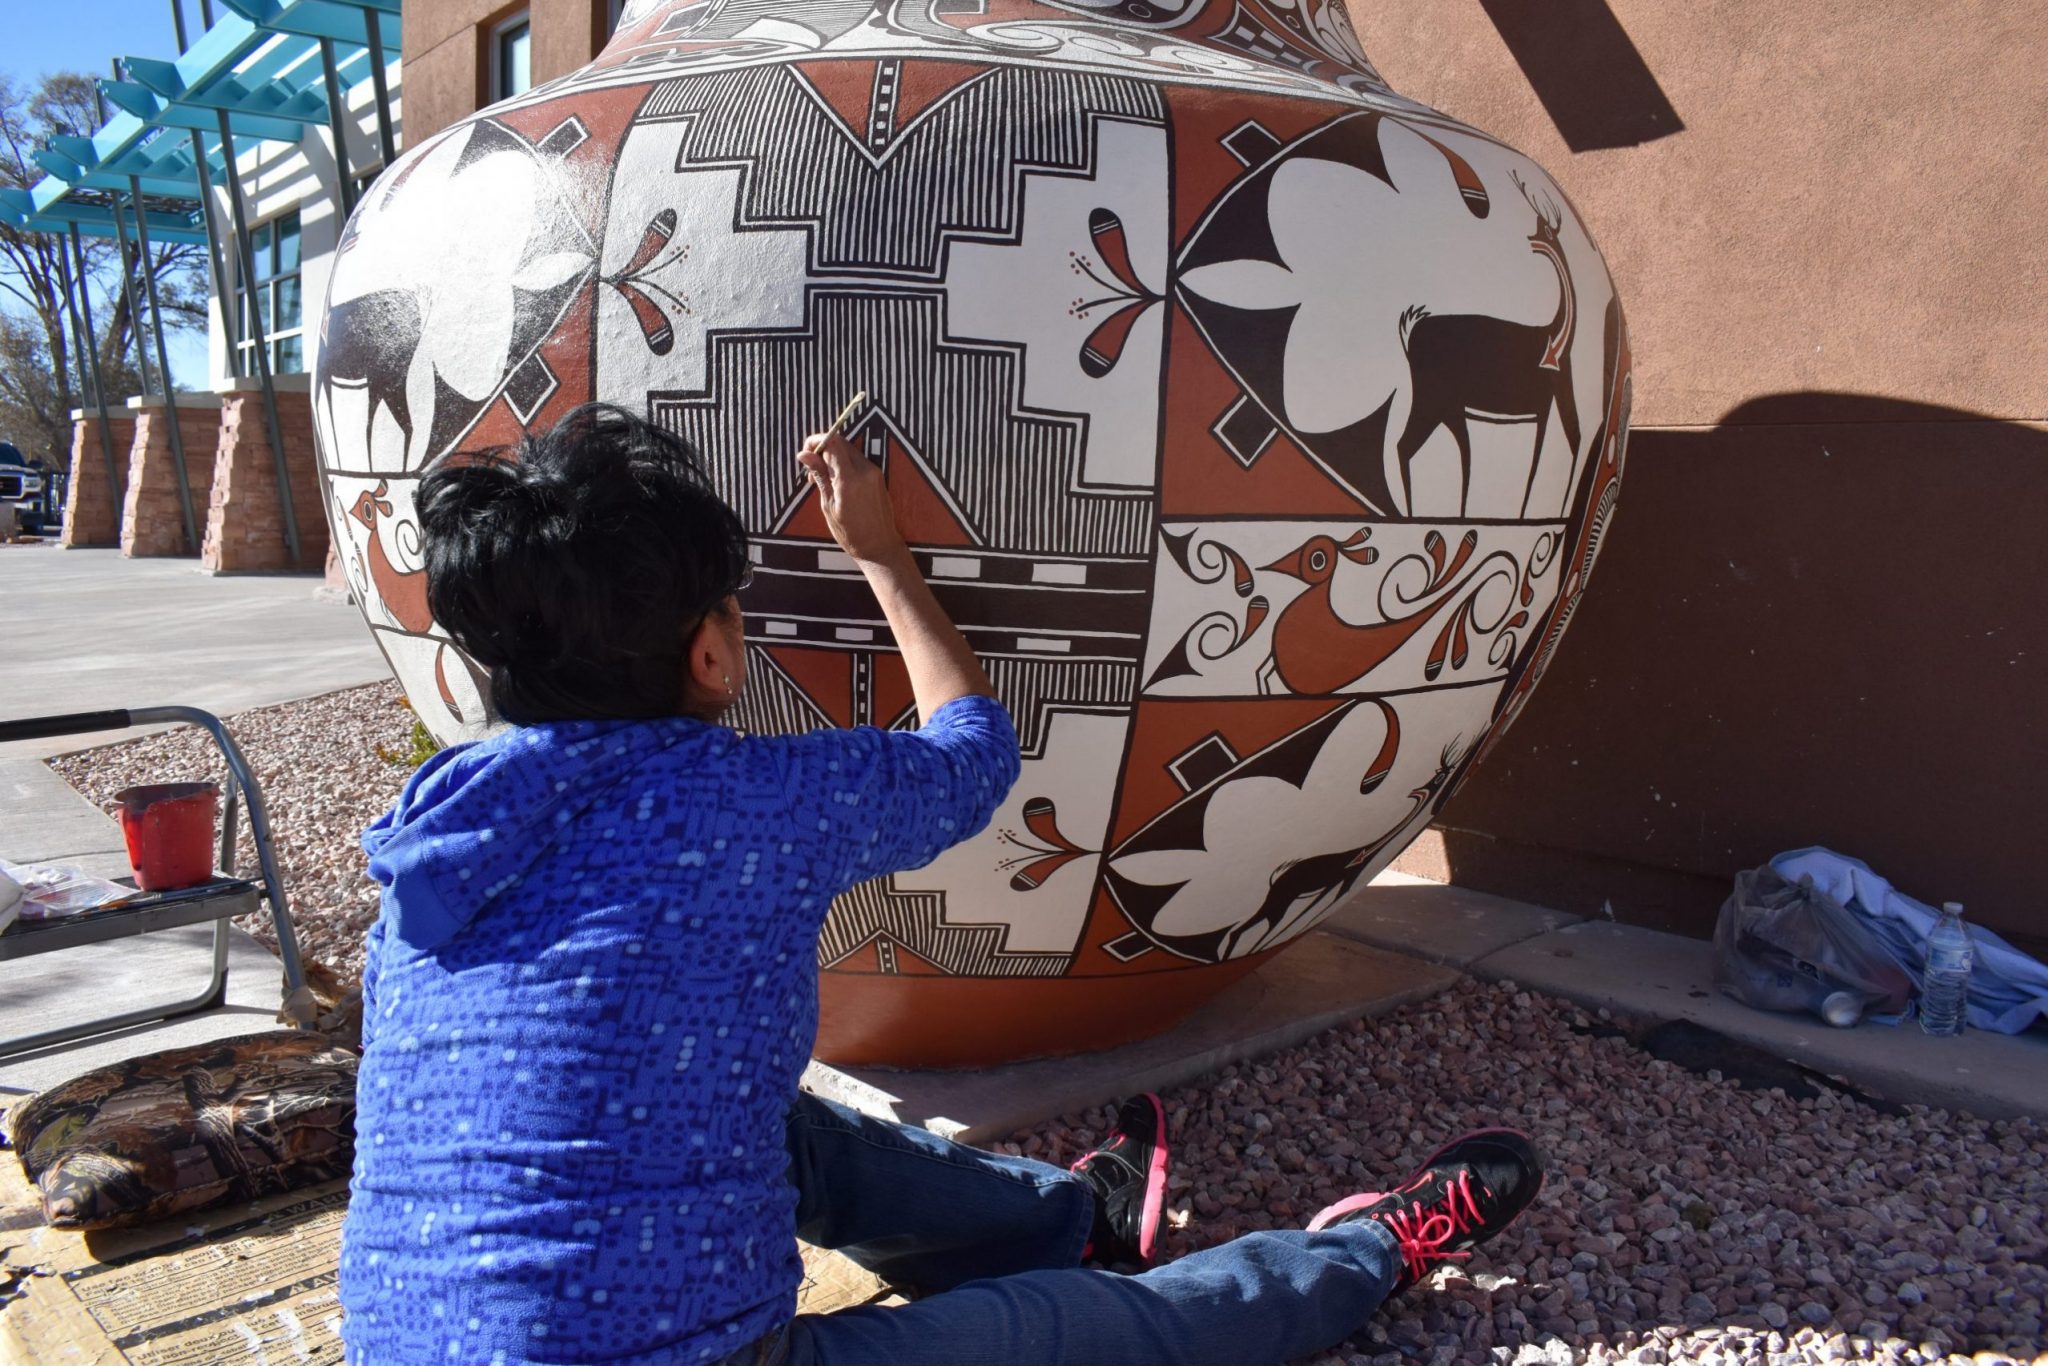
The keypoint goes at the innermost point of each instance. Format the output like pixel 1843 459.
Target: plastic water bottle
pixel 1945 989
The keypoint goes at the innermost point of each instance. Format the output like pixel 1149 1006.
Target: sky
pixel 85 35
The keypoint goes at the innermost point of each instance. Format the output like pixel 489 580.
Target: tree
pixel 38 374
pixel 35 409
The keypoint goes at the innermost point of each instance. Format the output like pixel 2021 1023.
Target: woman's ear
pixel 717 663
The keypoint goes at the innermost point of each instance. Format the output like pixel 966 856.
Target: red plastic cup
pixel 169 829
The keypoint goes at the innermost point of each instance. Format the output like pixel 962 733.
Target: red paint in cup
pixel 169 829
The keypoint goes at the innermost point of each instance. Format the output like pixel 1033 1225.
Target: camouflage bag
pixel 189 1128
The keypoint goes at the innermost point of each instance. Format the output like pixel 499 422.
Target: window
pixel 280 301
pixel 511 58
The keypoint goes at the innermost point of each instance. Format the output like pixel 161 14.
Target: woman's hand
pixel 855 499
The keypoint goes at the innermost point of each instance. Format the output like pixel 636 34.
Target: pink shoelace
pixel 1424 1233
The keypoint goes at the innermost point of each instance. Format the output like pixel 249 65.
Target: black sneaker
pixel 1128 1174
pixel 1469 1190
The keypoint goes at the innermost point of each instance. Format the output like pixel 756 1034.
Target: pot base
pixel 917 1023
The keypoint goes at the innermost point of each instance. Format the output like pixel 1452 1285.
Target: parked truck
pixel 32 489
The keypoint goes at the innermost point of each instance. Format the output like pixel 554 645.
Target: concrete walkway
pixel 87 630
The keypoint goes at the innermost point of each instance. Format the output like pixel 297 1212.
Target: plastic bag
pixel 1782 945
pixel 2008 989
pixel 50 890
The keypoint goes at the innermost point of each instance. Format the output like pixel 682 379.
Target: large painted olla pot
pixel 1257 425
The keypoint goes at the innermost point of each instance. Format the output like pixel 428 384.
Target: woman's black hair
pixel 577 568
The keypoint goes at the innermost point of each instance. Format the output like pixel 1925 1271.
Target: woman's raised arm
pixel 856 504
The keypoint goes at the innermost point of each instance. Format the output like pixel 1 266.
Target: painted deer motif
pixel 1467 365
pixel 368 344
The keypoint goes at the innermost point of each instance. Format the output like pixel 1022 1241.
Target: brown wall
pixel 447 57
pixel 1820 615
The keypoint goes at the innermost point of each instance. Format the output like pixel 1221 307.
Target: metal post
pixel 337 127
pixel 178 23
pixel 71 316
pixel 128 287
pixel 163 367
pixel 216 264
pixel 116 485
pixel 206 12
pixel 246 264
pixel 385 142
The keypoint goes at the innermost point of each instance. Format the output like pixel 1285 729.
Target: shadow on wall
pixel 1579 60
pixel 1822 621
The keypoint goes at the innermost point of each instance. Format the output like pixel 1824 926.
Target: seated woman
pixel 592 990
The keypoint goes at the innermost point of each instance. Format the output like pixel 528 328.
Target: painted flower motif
pixel 1339 331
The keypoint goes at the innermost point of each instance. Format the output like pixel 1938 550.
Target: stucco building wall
pixel 1820 616
pixel 448 51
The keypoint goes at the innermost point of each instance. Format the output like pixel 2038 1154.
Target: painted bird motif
pixel 403 593
pixel 1316 651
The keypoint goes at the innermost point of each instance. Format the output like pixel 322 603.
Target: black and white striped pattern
pixel 958 172
pixel 916 920
pixel 1012 472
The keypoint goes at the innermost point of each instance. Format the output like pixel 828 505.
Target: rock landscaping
pixel 1686 1218
pixel 323 778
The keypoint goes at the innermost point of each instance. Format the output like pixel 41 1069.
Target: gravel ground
pixel 322 781
pixel 1686 1219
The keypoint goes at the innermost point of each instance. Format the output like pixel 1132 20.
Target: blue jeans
pixel 995 1243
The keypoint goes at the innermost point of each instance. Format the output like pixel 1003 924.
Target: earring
pixel 728 685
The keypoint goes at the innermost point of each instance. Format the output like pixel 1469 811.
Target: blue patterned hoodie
pixel 587 1002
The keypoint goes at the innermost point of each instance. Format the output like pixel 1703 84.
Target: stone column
pixel 245 527
pixel 152 521
pixel 92 511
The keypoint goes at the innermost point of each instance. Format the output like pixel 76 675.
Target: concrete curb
pixel 1404 939
pixel 1438 922
pixel 1646 973
pixel 1323 981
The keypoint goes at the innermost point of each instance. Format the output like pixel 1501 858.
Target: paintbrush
pixel 837 423
pixel 845 413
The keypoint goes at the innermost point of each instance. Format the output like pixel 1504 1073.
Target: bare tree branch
pixel 37 389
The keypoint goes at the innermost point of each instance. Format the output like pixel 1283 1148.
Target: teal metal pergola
pixel 262 70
